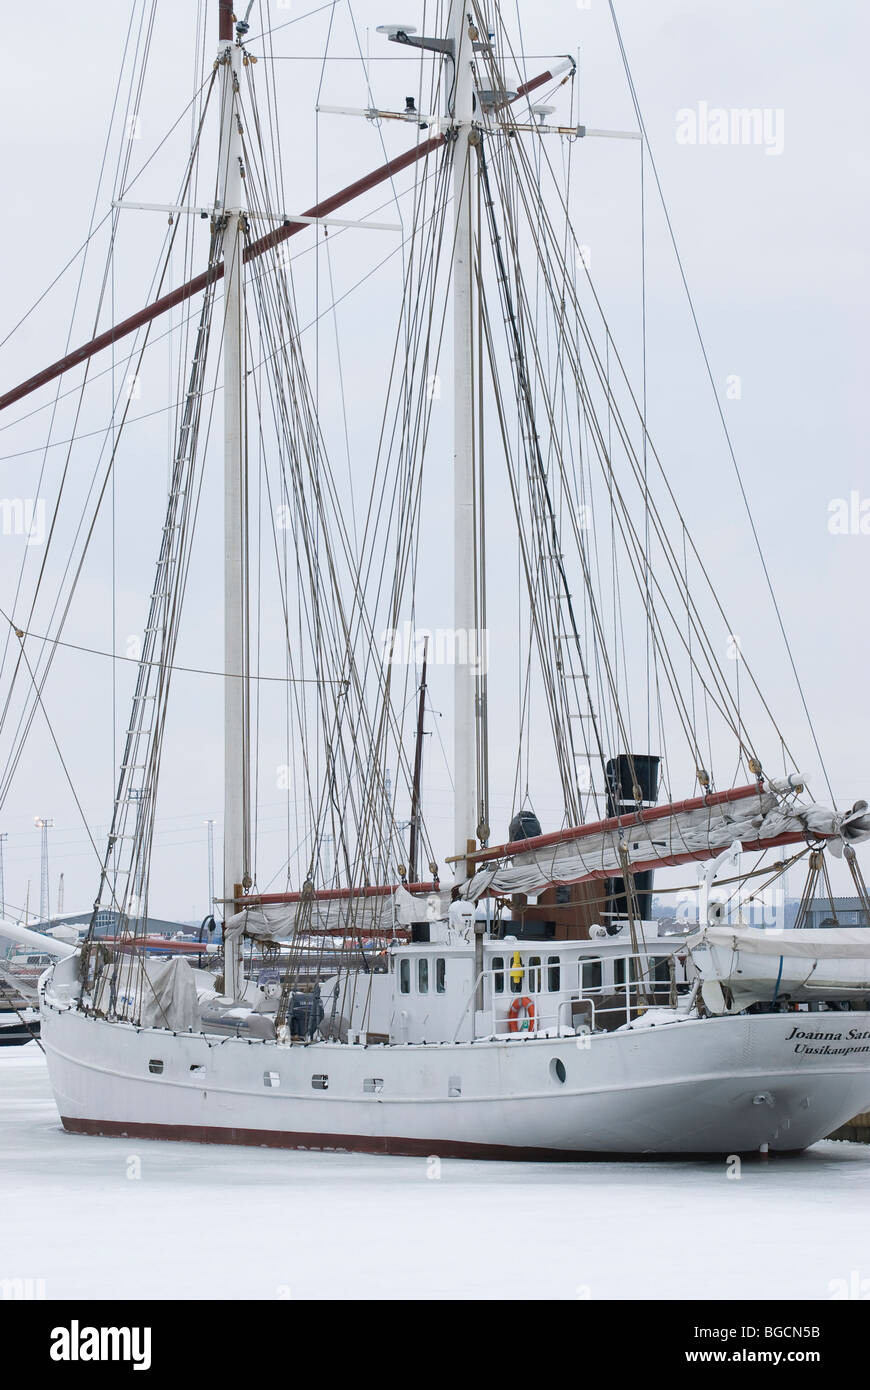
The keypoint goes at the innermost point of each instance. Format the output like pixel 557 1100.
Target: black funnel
pixel 631 778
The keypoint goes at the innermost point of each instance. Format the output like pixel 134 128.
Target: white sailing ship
pixel 531 1009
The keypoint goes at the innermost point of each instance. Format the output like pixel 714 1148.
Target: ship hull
pixel 724 1085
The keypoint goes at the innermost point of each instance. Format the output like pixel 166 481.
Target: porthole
pixel 319 1082
pixel 271 1079
pixel 557 1071
pixel 155 1066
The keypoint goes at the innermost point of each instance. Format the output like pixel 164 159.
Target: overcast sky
pixel 773 235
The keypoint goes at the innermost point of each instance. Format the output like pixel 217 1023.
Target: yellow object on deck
pixel 516 969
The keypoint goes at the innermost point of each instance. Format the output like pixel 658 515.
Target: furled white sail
pixel 357 912
pixel 759 817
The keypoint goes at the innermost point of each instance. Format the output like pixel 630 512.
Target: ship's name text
pixel 819 1042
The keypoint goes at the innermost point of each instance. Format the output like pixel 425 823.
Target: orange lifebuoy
pixel 524 1003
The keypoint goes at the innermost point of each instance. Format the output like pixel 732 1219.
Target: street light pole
pixel 44 824
pixel 3 838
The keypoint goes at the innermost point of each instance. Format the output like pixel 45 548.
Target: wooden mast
pixel 236 866
pixel 418 766
pixel 465 722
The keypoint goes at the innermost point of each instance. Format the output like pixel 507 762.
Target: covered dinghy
pixel 739 966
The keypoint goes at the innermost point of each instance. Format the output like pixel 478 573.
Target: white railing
pixel 608 1004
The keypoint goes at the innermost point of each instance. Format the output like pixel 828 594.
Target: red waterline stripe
pixel 330 1143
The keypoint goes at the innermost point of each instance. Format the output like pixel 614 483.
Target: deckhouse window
pixel 661 969
pixel 535 974
pixel 554 974
pixel 405 976
pixel 592 974
pixel 498 974
pixel 423 975
pixel 440 975
pixel 619 971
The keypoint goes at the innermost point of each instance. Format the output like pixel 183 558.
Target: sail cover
pixel 152 993
pixel 759 816
pixel 358 912
pixel 739 966
pixel 823 943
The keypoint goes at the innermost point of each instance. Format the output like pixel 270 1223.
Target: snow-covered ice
pixel 202 1220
